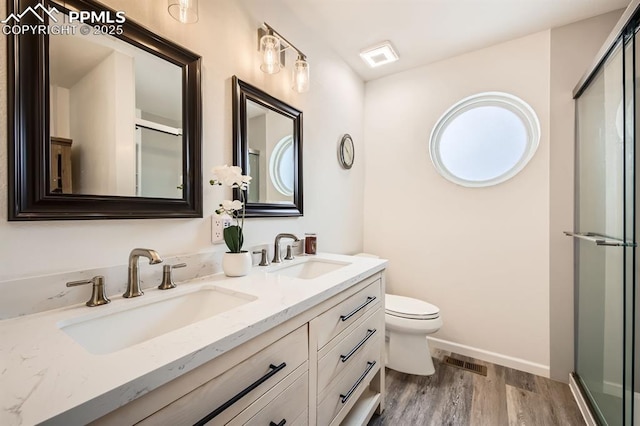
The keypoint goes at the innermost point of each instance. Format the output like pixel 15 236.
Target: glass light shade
pixel 185 11
pixel 300 77
pixel 270 51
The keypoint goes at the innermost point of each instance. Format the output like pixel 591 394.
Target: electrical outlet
pixel 218 223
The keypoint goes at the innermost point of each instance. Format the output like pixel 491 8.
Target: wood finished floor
pixel 455 397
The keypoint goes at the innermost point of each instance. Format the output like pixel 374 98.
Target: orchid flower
pixel 233 178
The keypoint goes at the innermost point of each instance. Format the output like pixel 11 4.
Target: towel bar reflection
pixel 600 240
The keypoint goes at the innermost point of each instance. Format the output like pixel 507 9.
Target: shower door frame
pixel 627 29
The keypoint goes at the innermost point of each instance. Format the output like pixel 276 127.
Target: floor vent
pixel 469 366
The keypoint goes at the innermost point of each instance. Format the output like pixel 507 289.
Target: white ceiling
pixel 426 31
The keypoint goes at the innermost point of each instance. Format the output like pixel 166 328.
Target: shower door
pixel 605 237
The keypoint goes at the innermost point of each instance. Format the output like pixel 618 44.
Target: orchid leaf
pixel 233 238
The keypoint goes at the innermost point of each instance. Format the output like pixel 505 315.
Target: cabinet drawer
pixel 347 312
pixel 287 406
pixel 234 390
pixel 342 394
pixel 368 332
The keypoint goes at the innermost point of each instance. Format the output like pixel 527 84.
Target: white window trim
pixel 498 99
pixel 274 165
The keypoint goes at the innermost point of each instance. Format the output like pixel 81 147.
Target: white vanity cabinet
pixel 346 354
pixel 245 388
pixel 323 366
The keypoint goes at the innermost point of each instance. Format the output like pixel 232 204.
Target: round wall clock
pixel 346 152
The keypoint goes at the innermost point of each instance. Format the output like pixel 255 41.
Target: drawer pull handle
pixel 282 423
pixel 346 397
pixel 356 310
pixel 346 357
pixel 241 394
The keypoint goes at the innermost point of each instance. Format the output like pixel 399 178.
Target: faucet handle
pixel 264 261
pixel 289 255
pixel 167 278
pixel 97 294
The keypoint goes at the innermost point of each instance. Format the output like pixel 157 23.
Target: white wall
pixel 225 36
pixel 59 119
pixel 481 255
pixel 125 135
pixel 495 259
pixel 101 109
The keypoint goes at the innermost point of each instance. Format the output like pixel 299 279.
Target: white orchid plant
pixel 233 178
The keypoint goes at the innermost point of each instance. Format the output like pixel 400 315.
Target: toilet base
pixel 409 353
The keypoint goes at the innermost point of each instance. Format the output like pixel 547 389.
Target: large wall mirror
pixel 267 136
pixel 105 120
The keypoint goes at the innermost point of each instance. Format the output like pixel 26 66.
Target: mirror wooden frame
pixel 243 92
pixel 29 133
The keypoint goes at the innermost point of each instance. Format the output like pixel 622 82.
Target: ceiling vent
pixel 379 54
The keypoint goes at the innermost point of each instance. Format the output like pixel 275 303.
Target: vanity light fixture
pixel 185 11
pixel 379 54
pixel 300 77
pixel 272 47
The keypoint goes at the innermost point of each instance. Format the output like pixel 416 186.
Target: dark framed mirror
pixel 267 145
pixel 104 117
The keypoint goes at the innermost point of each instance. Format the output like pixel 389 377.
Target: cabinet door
pixel 60 177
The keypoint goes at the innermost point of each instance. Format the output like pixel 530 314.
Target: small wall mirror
pixel 106 120
pixel 484 139
pixel 267 136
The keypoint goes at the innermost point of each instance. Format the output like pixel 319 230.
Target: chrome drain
pixel 468 366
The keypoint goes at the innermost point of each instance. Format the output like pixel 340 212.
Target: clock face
pixel 347 152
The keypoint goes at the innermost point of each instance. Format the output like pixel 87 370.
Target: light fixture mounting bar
pixel 270 30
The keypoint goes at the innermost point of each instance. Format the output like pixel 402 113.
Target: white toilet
pixel 408 322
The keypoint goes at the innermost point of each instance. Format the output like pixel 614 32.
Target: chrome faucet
pixel 277 257
pixel 133 282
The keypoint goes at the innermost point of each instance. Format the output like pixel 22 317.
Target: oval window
pixel 281 166
pixel 484 139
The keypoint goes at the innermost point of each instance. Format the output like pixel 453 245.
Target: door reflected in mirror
pixel 270 140
pixel 119 109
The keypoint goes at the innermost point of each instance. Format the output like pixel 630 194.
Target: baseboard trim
pixel 583 405
pixel 613 389
pixel 493 357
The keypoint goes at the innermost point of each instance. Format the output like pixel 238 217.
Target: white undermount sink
pixel 310 268
pixel 118 330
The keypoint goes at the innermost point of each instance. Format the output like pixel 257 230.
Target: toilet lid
pixel 407 307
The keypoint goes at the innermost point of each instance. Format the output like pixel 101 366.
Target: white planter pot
pixel 236 264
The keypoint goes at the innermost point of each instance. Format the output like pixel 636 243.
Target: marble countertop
pixel 45 376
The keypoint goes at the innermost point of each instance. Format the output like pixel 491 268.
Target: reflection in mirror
pixel 120 108
pixel 270 139
pixel 281 168
pixel 268 146
pixel 101 127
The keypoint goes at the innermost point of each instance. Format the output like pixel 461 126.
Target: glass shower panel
pixel 600 218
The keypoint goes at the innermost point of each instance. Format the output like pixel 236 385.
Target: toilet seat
pixel 410 308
